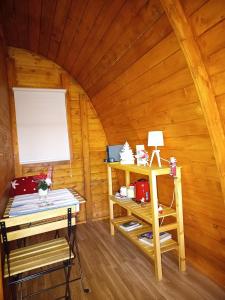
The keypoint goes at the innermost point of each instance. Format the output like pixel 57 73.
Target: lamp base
pixel 157 154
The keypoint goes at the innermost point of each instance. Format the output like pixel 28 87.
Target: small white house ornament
pixel 126 155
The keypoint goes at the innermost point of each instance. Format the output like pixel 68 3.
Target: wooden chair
pixel 53 255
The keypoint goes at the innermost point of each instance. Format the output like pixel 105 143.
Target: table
pixel 78 197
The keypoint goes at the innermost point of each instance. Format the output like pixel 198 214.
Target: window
pixel 41 125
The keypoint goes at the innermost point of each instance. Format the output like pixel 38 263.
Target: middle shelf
pixel 143 212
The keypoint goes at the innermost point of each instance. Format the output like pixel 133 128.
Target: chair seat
pixel 36 256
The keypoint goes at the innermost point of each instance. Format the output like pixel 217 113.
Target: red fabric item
pixel 24 185
pixel 39 177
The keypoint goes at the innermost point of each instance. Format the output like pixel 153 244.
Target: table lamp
pixel 155 138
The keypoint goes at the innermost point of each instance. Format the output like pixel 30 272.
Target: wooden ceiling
pixel 94 40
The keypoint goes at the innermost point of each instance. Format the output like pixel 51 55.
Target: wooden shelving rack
pixel 149 216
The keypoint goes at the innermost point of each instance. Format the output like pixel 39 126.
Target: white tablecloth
pixel 32 203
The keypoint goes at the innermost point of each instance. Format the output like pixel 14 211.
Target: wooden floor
pixel 116 270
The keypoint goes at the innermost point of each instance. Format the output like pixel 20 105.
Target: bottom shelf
pixel 133 236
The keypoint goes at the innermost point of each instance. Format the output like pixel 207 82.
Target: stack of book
pixel 131 225
pixel 120 197
pixel 147 237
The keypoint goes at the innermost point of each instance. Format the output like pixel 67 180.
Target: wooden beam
pixel 65 81
pixel 191 51
pixel 86 156
pixel 12 83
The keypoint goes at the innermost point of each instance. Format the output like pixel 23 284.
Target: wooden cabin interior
pixel 128 67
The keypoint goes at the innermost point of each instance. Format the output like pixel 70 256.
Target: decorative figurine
pixel 143 201
pixel 160 209
pixel 173 166
pixel 141 155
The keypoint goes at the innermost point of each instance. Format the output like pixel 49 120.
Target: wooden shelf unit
pixel 149 216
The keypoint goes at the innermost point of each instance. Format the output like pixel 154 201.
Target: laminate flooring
pixel 116 270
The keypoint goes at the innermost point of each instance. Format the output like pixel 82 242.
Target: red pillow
pixel 23 185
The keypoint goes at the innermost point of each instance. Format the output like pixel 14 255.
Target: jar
pixel 130 192
pixel 123 191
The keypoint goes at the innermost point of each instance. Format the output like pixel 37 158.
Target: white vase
pixel 42 193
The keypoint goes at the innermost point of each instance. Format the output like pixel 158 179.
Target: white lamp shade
pixel 155 138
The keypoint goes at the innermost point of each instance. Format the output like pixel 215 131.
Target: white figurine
pixel 126 155
pixel 141 155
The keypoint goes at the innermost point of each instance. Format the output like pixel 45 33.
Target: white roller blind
pixel 41 125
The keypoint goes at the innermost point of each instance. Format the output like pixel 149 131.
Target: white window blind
pixel 41 125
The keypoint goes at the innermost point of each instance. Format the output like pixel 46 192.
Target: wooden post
pixel 86 156
pixel 110 192
pixel 127 182
pixel 127 178
pixel 11 70
pixel 201 80
pixel 180 226
pixel 65 80
pixel 155 225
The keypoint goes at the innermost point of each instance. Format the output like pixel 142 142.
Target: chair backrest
pixel 36 223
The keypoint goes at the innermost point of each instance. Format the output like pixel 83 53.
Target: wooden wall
pixel 6 153
pixel 35 71
pixel 157 93
pixel 207 19
pixel 126 57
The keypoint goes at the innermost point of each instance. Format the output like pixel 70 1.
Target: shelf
pixel 143 212
pixel 148 214
pixel 132 236
pixel 144 170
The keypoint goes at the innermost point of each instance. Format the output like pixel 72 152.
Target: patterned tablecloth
pixel 32 203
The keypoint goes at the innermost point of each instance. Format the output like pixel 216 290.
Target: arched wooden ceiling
pixel 94 41
pixel 98 40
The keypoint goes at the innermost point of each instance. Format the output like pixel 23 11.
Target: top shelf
pixel 144 170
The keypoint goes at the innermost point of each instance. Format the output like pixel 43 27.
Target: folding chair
pixel 53 255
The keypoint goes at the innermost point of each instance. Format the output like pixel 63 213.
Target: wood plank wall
pixel 132 67
pixel 208 23
pixel 157 93
pixel 6 151
pixel 207 19
pixel 35 71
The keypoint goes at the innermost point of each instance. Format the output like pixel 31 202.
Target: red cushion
pixel 23 185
